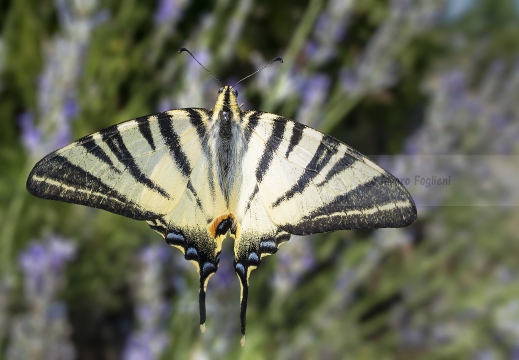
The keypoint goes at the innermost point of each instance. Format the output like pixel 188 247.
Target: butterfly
pixel 199 175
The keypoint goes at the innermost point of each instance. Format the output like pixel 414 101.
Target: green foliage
pixel 442 288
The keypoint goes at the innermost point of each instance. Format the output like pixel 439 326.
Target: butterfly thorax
pixel 226 139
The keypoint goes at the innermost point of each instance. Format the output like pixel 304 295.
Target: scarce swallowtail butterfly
pixel 197 175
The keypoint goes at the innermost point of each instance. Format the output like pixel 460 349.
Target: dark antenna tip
pixel 193 56
pixel 257 71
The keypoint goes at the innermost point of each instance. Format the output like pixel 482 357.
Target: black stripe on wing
pixel 251 197
pixel 145 130
pixel 320 159
pixel 295 138
pixel 271 147
pixel 195 119
pixel 172 140
pixel 90 145
pixel 116 144
pixel 377 203
pixel 195 195
pixel 345 162
pixel 251 125
pixel 76 185
pixel 201 130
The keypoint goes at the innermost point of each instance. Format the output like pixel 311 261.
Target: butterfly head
pixel 227 101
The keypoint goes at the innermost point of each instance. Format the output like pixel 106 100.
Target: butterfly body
pixel 197 175
pixel 226 133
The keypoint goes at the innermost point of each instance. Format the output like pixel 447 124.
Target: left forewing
pixel 138 168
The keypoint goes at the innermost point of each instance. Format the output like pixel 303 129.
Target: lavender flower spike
pixel 57 84
pixel 169 11
pixel 149 340
pixel 43 331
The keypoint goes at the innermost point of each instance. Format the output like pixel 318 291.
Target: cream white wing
pixel 310 182
pixel 138 168
pixel 302 181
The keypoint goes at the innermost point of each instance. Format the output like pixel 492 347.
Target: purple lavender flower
pixel 64 56
pixel 42 332
pixel 514 353
pixel 150 339
pixel 333 30
pixel 151 255
pixel 137 349
pixel 316 88
pixel 348 80
pixel 322 22
pixel 42 262
pixel 376 68
pixel 144 313
pixel 34 263
pixel 31 136
pixel 311 49
pixel 145 345
pixel 168 11
pixel 225 277
pixel 454 82
pixel 70 107
pixel 60 252
pixel 330 28
pixel 165 105
pixel 314 92
pixel 292 265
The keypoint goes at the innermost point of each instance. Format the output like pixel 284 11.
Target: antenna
pixel 257 71
pixel 189 52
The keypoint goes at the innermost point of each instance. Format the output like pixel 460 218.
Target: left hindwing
pixel 308 182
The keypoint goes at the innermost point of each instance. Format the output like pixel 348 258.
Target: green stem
pixel 295 45
pixel 336 113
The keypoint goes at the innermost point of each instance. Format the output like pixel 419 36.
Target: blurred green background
pixel 425 87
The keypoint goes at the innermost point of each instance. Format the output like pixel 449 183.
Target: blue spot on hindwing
pixel 208 268
pixel 175 239
pixel 191 254
pixel 253 258
pixel 240 269
pixel 268 246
